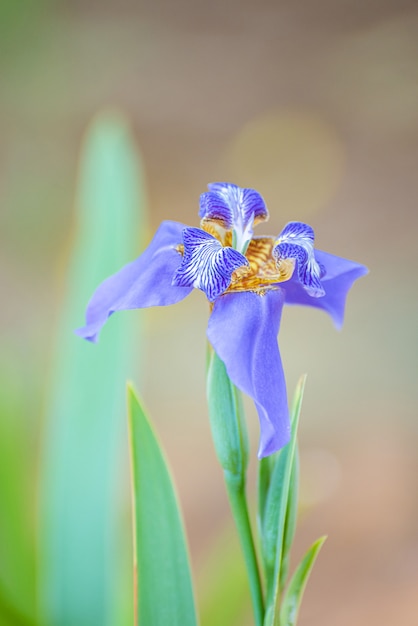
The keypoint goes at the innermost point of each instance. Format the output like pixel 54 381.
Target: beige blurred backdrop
pixel 315 104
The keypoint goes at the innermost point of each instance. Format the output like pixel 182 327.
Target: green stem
pixel 231 445
pixel 238 502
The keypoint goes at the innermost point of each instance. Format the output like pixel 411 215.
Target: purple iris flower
pixel 246 279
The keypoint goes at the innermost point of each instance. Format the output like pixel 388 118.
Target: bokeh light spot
pixel 294 158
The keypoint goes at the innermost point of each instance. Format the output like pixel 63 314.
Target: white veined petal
pixel 207 265
pixel 296 241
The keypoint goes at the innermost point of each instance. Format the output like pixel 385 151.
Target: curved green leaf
pixel 294 593
pixel 227 421
pixel 279 512
pixel 291 518
pixel 163 583
pixel 265 470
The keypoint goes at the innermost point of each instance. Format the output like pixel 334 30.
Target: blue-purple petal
pixel 339 276
pixel 298 232
pixel 145 282
pixel 243 330
pixel 206 264
pixel 213 206
pixel 296 241
pixel 245 203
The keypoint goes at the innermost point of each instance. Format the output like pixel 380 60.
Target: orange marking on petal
pixel 214 228
pixel 263 272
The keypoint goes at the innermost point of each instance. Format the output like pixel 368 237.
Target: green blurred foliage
pixel 85 454
pixel 17 497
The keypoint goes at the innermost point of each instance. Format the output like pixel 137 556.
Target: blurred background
pixel 314 104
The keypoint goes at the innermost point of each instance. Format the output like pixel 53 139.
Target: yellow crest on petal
pixel 264 272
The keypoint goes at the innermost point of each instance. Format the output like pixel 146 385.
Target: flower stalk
pixel 231 446
pixel 238 502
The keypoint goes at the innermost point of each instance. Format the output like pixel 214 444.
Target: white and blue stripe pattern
pixel 296 241
pixel 243 203
pixel 207 265
pixel 235 208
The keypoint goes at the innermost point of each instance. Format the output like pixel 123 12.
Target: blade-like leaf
pixel 85 429
pixel 291 517
pixel 293 496
pixel 163 582
pixel 294 593
pixel 227 421
pixel 267 464
pixel 265 470
pixel 276 511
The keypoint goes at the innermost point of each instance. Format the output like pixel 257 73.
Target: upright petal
pixel 206 264
pixel 243 331
pixel 145 282
pixel 213 206
pixel 245 203
pixel 338 277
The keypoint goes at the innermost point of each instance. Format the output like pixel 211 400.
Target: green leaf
pixel 85 430
pixel 163 581
pixel 267 464
pixel 277 511
pixel 265 470
pixel 227 422
pixel 294 593
pixel 293 496
pixel 291 518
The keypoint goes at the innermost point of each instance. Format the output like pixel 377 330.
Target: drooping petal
pixel 296 241
pixel 244 202
pixel 206 264
pixel 243 330
pixel 145 282
pixel 339 276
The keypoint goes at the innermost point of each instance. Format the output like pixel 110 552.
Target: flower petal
pixel 145 282
pixel 213 206
pixel 296 241
pixel 206 264
pixel 243 331
pixel 244 203
pixel 339 276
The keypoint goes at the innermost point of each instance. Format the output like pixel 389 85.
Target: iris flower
pixel 246 280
